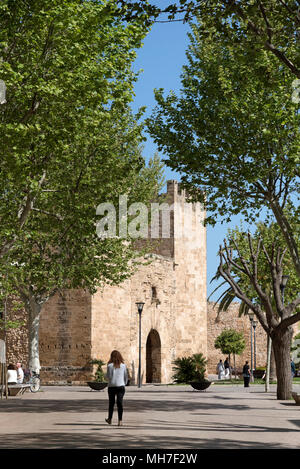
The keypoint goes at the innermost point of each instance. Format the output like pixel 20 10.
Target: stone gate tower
pixel 77 327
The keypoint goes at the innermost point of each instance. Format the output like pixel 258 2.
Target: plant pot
pixel 258 374
pixel 96 386
pixel 200 385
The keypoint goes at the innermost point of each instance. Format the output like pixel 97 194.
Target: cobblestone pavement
pixel 158 417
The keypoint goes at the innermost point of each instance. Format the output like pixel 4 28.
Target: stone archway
pixel 153 357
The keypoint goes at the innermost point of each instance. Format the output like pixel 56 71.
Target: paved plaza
pixel 159 417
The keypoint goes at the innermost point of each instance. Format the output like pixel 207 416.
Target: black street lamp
pixel 251 317
pixel 284 281
pixel 140 306
pixel 254 324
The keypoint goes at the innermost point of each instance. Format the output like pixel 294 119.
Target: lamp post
pixel 251 317
pixel 284 281
pixel 254 324
pixel 140 306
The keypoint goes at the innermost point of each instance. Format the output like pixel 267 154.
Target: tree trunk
pixel 281 340
pixel 33 309
pixel 33 306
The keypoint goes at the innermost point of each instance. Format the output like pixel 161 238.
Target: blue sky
pixel 161 60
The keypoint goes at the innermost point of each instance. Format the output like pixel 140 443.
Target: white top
pixel 117 376
pixel 20 374
pixel 12 376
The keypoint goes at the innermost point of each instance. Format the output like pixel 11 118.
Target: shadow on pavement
pixel 96 405
pixel 95 440
pixel 295 422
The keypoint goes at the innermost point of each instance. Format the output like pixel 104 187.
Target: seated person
pixel 20 373
pixel 11 374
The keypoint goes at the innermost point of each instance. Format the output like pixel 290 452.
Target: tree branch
pixel 45 212
pixel 263 12
pixel 240 294
pixel 287 233
pixel 23 214
pixel 268 44
pixel 297 19
pixel 292 319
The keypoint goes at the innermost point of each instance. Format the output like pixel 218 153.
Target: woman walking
pixel 117 379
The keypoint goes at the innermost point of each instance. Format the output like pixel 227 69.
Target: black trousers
pixel 246 381
pixel 113 393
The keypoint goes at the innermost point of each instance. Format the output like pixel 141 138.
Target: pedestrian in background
pixel 227 369
pixel 293 369
pixel 246 375
pixel 221 370
pixel 117 376
pixel 11 374
pixel 20 373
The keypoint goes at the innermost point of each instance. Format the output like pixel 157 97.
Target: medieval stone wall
pixel 76 328
pixel 65 337
pixel 172 283
pixel 71 364
pixel 116 320
pixel 16 339
pixel 176 320
pixel 231 320
pixel 190 273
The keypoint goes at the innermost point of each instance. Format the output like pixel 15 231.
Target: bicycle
pixel 33 379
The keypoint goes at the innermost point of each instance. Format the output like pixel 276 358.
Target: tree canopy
pixel 272 25
pixel 70 142
pixel 67 70
pixel 230 342
pixel 233 133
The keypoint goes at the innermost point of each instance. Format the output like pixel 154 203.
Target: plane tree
pixel 233 132
pixel 254 267
pixel 271 25
pixel 68 143
pixel 47 260
pixel 231 342
pixel 67 69
pixel 233 136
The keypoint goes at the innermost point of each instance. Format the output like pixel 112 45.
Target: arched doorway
pixel 153 357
